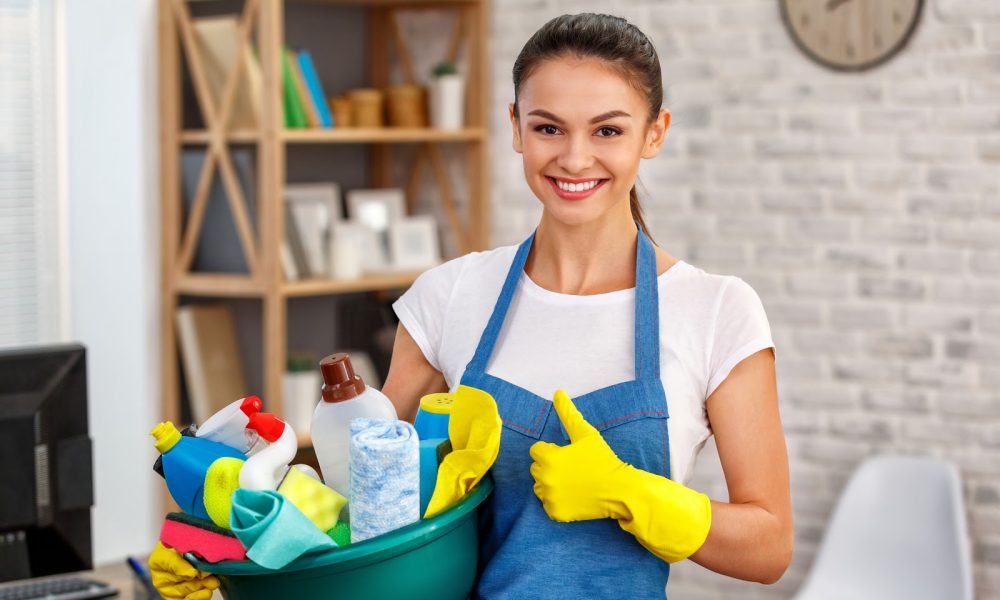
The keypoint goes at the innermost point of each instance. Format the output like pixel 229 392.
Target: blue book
pixel 315 88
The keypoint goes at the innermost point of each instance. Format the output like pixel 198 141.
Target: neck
pixel 584 259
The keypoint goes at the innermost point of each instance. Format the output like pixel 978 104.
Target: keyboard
pixel 72 588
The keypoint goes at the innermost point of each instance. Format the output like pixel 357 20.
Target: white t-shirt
pixel 708 324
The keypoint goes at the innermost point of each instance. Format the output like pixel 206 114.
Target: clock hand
pixel 833 5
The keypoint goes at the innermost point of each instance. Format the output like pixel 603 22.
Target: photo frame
pixel 365 254
pixel 413 243
pixel 376 208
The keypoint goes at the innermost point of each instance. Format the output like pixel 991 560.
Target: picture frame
pixel 312 208
pixel 376 208
pixel 364 253
pixel 413 243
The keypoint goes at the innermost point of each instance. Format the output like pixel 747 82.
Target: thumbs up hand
pixel 586 480
pixel 576 482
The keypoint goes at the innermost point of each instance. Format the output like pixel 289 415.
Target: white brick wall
pixel 863 208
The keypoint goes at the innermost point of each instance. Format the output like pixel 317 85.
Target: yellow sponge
pixel 221 480
pixel 319 502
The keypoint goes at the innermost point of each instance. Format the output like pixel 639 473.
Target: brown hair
pixel 613 39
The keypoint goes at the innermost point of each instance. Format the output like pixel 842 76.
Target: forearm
pixel 746 542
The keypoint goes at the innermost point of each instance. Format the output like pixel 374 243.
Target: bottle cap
pixel 267 426
pixel 339 381
pixel 166 436
pixel 438 404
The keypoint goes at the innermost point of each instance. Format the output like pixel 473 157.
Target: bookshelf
pixel 262 23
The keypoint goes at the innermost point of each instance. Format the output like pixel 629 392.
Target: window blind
pixel 31 239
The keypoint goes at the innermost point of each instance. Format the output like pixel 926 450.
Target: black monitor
pixel 46 474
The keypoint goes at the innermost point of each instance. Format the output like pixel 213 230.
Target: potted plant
pixel 447 97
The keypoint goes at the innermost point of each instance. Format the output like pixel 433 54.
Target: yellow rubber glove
pixel 586 480
pixel 177 579
pixel 474 430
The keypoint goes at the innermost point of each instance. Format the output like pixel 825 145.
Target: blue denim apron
pixel 525 554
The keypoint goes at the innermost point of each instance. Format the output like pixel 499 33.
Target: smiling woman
pixel 645 355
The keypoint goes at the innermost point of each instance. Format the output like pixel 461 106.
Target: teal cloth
pixel 272 529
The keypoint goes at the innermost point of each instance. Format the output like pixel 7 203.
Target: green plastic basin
pixel 432 559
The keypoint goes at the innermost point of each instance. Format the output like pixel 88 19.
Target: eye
pixel 547 129
pixel 608 131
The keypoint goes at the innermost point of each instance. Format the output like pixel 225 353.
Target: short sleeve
pixel 741 329
pixel 422 308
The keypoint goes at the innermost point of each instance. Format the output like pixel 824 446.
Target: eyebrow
pixel 602 117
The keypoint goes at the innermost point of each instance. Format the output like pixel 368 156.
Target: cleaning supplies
pixel 432 452
pixel 186 461
pixel 221 480
pixel 385 476
pixel 228 426
pixel 176 579
pixel 586 480
pixel 432 416
pixel 185 533
pixel 272 529
pixel 345 397
pixel 265 469
pixel 319 503
pixel 474 431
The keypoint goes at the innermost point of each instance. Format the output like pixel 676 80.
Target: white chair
pixel 898 531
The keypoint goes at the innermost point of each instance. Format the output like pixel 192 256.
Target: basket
pixel 432 559
pixel 367 106
pixel 407 106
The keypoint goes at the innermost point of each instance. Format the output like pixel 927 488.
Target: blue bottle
pixel 185 462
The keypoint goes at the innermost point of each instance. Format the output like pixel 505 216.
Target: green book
pixel 295 112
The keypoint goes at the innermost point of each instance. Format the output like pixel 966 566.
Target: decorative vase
pixel 447 102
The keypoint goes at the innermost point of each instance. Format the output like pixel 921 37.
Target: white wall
pixel 114 273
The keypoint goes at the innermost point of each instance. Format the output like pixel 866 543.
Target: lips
pixel 575 195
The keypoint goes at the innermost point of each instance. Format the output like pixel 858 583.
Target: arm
pixel 410 376
pixel 751 535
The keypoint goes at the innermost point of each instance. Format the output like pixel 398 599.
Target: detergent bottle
pixel 186 460
pixel 265 469
pixel 345 397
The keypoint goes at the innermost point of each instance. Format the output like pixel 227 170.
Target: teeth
pixel 576 187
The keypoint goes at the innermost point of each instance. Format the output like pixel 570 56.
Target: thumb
pixel 576 426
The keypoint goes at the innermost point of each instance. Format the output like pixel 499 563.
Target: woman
pixel 589 500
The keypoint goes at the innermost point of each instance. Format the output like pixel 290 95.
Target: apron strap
pixel 489 338
pixel 647 310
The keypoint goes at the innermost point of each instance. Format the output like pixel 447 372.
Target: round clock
pixel 851 35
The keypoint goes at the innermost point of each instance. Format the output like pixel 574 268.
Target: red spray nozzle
pixel 251 405
pixel 267 426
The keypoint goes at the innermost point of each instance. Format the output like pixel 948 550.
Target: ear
pixel 656 134
pixel 516 125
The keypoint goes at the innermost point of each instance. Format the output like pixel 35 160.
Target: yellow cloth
pixel 586 480
pixel 474 432
pixel 176 578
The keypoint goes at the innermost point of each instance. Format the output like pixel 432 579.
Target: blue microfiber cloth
pixel 272 529
pixel 385 476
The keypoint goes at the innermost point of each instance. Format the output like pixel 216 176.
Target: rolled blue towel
pixel 385 476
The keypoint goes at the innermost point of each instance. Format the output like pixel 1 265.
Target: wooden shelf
pixel 317 287
pixel 345 135
pixel 348 135
pixel 218 284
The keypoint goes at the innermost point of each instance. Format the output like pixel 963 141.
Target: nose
pixel 575 157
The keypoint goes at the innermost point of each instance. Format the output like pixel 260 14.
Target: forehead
pixel 578 88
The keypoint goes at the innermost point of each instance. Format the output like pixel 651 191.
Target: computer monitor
pixel 46 473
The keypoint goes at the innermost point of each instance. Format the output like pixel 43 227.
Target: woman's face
pixel 581 133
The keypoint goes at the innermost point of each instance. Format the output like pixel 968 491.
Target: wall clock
pixel 851 35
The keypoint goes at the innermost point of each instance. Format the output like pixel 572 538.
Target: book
pixel 312 115
pixel 218 41
pixel 206 338
pixel 218 249
pixel 316 92
pixel 295 116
